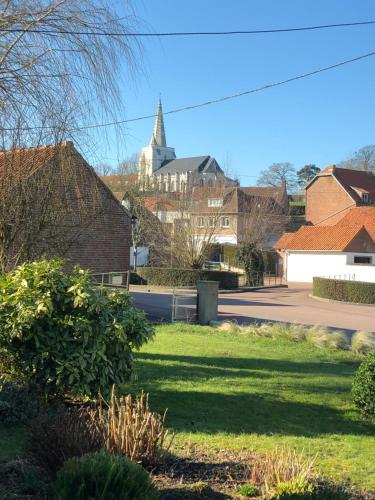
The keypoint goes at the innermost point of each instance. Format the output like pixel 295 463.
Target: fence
pixel 112 280
pixel 184 304
pixel 260 279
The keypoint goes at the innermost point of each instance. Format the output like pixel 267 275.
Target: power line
pixel 210 102
pixel 189 33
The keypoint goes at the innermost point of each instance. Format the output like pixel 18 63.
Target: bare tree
pixel 363 159
pixel 277 174
pixel 59 71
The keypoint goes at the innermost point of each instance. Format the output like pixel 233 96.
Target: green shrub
pixel 364 386
pixel 358 292
pixel 63 335
pixel 299 488
pixel 162 276
pixel 103 476
pixel 17 402
pixel 248 490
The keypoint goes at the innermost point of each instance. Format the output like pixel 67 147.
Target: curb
pixel 251 289
pixel 332 301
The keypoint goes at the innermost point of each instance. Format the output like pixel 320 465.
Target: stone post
pixel 207 301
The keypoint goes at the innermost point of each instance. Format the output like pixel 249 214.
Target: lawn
pixel 227 391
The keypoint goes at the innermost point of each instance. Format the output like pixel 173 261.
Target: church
pixel 160 170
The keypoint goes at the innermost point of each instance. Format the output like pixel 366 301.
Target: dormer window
pixel 215 202
pixel 365 197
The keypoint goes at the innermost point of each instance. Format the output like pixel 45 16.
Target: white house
pixel 345 250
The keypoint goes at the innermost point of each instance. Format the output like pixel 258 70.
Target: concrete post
pixel 207 301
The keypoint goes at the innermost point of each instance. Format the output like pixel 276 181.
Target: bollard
pixel 207 301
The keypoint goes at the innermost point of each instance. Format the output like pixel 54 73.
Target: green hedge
pixel 162 276
pixel 358 292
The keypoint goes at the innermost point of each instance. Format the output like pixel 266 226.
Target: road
pixel 291 304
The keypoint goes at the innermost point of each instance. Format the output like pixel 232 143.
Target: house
pixel 334 191
pixel 64 208
pixel 235 214
pixel 344 250
pixel 160 169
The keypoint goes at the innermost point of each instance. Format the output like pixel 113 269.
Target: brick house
pixel 345 249
pixel 334 191
pixel 71 212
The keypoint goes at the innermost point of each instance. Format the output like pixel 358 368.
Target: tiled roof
pixel 353 181
pixel 20 163
pixel 359 221
pixel 155 204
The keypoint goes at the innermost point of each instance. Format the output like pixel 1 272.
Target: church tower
pixel 157 152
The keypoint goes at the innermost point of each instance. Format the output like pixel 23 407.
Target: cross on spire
pixel 158 136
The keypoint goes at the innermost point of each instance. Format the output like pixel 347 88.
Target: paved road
pixel 291 304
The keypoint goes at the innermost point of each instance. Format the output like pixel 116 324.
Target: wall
pixel 303 266
pixel 326 200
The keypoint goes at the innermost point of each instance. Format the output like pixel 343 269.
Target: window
pixel 200 222
pixel 365 197
pixel 215 202
pixel 360 259
pixel 211 222
pixel 224 221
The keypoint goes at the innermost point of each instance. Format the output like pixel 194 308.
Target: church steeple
pixel 158 136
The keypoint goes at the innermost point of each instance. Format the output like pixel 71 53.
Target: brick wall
pixel 326 201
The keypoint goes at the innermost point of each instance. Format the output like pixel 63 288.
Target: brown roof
pixel 20 163
pixel 351 180
pixel 154 204
pixel 359 221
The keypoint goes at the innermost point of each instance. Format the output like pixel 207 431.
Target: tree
pixel 277 174
pixel 363 159
pixel 306 174
pixel 57 72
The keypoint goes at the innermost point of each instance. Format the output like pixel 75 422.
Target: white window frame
pixel 215 202
pixel 224 221
pixel 362 263
pixel 200 221
pixel 211 222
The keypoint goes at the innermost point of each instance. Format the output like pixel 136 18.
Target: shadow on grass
pixel 229 411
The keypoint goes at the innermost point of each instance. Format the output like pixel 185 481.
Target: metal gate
pixel 112 280
pixel 184 304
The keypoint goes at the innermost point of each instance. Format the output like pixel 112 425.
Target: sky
pixel 321 119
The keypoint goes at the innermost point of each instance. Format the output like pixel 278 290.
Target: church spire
pixel 158 136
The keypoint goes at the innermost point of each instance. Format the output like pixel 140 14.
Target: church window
pixel 215 202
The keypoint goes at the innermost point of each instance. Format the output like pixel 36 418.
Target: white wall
pixel 303 266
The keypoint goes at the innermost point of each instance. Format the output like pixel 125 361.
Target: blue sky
pixel 318 120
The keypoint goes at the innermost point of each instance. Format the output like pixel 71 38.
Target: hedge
pixel 162 276
pixel 358 292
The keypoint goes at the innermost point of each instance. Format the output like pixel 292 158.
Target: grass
pixel 234 392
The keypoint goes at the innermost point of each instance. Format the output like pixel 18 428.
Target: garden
pixel 97 403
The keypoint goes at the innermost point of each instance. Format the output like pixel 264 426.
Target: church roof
pixel 180 165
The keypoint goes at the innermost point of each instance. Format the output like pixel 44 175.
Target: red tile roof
pixel 353 181
pixel 359 221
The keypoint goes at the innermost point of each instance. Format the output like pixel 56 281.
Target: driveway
pixel 291 304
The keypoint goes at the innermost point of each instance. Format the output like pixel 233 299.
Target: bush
pixel 363 342
pixel 131 429
pixel 105 476
pixel 364 386
pixel 17 402
pixel 296 488
pixel 358 292
pixel 56 437
pixel 162 276
pixel 63 335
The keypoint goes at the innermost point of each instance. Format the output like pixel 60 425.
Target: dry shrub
pixel 363 342
pixel 131 429
pixel 56 437
pixel 321 337
pixel 228 326
pixel 281 466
